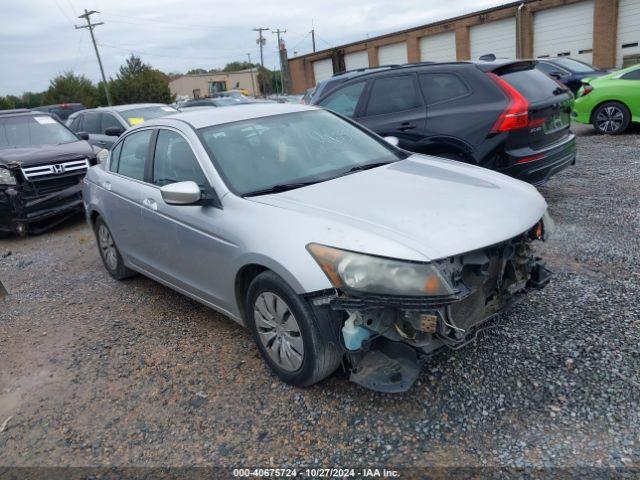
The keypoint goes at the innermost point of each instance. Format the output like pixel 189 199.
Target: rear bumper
pixel 537 167
pixel 22 214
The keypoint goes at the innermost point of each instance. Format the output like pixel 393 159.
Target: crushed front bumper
pixel 405 331
pixel 22 212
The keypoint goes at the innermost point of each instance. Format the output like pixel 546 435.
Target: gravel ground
pixel 96 372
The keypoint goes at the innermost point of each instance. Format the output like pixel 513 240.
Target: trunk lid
pixel 550 105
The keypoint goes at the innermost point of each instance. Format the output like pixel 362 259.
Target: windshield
pixel 227 101
pixel 304 147
pixel 135 116
pixel 33 130
pixel 573 65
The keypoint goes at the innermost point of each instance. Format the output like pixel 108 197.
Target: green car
pixel 611 102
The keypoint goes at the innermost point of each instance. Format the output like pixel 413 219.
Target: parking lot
pixel 96 372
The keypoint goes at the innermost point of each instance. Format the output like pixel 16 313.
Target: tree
pixel 197 71
pixel 236 66
pixel 6 103
pixel 71 88
pixel 138 82
pixel 269 81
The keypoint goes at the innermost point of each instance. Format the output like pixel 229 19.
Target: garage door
pixel 394 54
pixel 356 60
pixel 628 30
pixel 564 31
pixel 438 48
pixel 497 37
pixel 323 69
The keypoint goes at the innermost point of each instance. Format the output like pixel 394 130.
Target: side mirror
pixel 83 135
pixel 392 141
pixel 114 131
pixel 181 193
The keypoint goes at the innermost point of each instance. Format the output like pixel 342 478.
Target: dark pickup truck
pixel 42 165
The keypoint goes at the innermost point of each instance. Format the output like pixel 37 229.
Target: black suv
pixel 42 165
pixel 61 111
pixel 503 115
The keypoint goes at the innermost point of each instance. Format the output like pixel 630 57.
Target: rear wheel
pixel 4 234
pixel 285 330
pixel 611 118
pixel 109 252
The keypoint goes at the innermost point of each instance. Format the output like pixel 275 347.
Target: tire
pixel 274 313
pixel 109 252
pixel 4 235
pixel 611 118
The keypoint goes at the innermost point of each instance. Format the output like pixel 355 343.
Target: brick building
pixel 605 33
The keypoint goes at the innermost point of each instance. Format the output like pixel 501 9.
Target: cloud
pixel 39 41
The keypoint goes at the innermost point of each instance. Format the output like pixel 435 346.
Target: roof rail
pixel 365 69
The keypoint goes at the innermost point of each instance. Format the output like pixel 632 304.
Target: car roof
pixel 206 117
pixel 22 111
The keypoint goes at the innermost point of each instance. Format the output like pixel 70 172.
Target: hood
pixel 26 156
pixel 435 207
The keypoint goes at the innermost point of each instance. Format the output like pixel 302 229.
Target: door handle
pixel 150 203
pixel 101 143
pixel 107 185
pixel 405 126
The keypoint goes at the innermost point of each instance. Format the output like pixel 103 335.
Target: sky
pixel 38 38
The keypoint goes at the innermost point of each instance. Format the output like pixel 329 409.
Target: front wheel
pixel 611 118
pixel 109 252
pixel 285 330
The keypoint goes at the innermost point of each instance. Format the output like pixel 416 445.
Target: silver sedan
pixel 333 246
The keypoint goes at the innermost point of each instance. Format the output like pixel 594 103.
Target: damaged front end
pixel 41 196
pixel 386 338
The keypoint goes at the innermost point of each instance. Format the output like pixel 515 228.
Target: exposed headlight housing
pixel 6 177
pixel 102 155
pixel 378 275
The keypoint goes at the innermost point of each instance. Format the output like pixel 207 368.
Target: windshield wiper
pixel 282 187
pixel 366 166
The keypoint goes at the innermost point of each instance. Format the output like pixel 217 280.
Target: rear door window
pixel 632 75
pixel 533 84
pixel 440 87
pixel 134 154
pixel 345 100
pixel 393 94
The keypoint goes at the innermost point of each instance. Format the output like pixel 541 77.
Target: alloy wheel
pixel 610 119
pixel 278 331
pixel 107 247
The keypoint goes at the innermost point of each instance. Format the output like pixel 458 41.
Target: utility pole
pixel 278 32
pixel 313 36
pixel 253 84
pixel 91 26
pixel 261 41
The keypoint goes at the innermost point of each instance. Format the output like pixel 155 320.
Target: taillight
pixel 586 89
pixel 516 115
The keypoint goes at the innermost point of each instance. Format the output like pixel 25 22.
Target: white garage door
pixel 323 69
pixel 497 37
pixel 394 54
pixel 628 29
pixel 565 31
pixel 356 60
pixel 438 48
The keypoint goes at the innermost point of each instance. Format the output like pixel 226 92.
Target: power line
pixel 173 24
pixel 90 26
pixel 135 50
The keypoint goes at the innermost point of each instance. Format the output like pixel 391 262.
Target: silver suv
pixel 329 243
